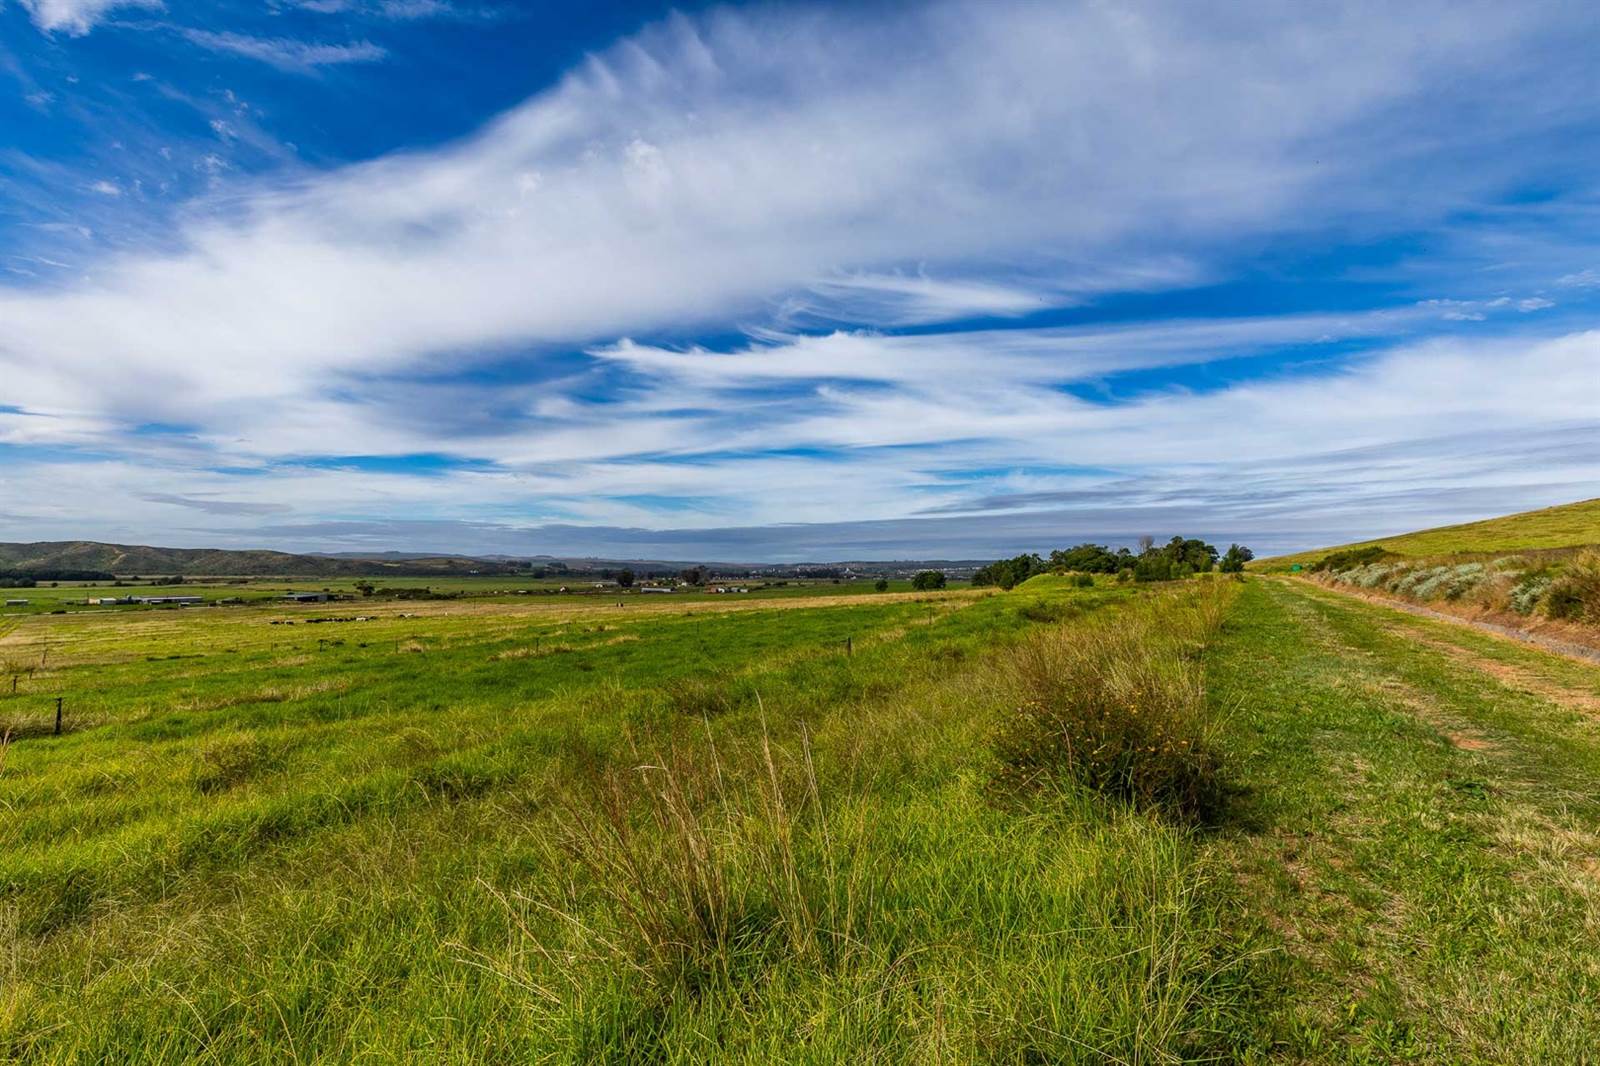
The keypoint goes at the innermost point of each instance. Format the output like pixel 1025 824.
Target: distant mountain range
pixel 130 559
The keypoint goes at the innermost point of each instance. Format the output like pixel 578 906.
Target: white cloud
pixel 77 17
pixel 415 9
pixel 285 53
pixel 695 171
pixel 901 298
pixel 1407 430
pixel 895 299
pixel 399 10
pixel 931 165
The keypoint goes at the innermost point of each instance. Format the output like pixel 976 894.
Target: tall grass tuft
pixel 701 871
pixel 1575 594
pixel 1119 707
pixel 231 760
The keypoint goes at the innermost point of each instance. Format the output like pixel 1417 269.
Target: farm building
pixel 108 601
pixel 159 600
pixel 655 588
pixel 307 597
pixel 16 603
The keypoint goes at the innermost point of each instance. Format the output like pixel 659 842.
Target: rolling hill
pixel 124 559
pixel 1565 526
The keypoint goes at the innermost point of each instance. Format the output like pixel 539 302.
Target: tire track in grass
pixel 1571 649
pixel 1433 901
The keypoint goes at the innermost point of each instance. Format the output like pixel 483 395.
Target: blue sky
pixel 788 281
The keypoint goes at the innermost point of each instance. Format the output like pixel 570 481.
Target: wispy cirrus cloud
pixel 399 10
pixel 214 506
pixel 286 53
pixel 573 217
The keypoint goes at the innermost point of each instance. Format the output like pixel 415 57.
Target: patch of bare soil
pixel 1512 676
pixel 1419 704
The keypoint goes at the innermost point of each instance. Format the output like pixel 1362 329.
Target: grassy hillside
pixel 1566 526
pixel 1209 821
pixel 123 559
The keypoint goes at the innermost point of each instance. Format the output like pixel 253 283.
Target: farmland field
pixel 55 596
pixel 743 830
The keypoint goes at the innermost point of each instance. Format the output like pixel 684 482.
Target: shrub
pixel 882 584
pixel 1153 566
pixel 1575 594
pixel 1369 576
pixel 1448 582
pixel 1119 708
pixel 928 579
pixel 1352 557
pixel 1043 611
pixel 1529 590
pixel 1083 581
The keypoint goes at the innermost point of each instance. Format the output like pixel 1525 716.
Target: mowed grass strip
pixel 1418 840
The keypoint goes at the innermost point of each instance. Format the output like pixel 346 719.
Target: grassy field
pixel 714 831
pixel 1567 526
pixel 269 591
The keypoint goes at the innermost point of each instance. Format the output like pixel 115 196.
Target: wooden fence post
pixel 59 701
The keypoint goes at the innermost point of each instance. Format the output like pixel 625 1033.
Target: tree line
pixel 30 578
pixel 1178 558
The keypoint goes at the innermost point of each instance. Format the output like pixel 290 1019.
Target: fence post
pixel 849 648
pixel 59 700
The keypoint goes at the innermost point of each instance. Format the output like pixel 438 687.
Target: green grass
pixel 255 845
pixel 709 830
pixel 268 592
pixel 1416 837
pixel 1567 526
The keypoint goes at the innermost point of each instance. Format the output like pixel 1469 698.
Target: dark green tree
pixel 1234 559
pixel 1008 573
